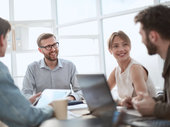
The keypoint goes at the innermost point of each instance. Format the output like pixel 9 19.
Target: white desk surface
pixel 80 113
pixel 72 114
pixel 129 111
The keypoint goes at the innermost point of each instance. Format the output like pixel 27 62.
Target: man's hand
pixel 32 99
pixel 70 98
pixel 144 104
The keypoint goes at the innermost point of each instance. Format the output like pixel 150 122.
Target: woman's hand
pixel 127 102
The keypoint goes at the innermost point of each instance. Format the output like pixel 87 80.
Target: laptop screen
pixel 96 92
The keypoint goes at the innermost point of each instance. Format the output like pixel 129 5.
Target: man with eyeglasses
pixel 50 72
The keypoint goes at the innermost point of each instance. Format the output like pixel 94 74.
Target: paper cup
pixel 60 108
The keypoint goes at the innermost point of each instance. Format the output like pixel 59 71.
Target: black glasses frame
pixel 49 47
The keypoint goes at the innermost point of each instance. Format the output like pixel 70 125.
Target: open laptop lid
pixel 96 93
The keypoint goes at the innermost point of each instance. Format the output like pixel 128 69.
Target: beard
pixel 152 49
pixel 48 57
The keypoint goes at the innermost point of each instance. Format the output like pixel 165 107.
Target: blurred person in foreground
pixel 15 109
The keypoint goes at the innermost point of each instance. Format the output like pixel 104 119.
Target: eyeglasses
pixel 49 47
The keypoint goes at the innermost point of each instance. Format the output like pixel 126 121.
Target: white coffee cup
pixel 60 108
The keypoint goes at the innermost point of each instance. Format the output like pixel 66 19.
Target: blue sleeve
pixel 15 108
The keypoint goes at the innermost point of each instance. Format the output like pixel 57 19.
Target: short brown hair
pixel 4 27
pixel 44 36
pixel 155 18
pixel 120 34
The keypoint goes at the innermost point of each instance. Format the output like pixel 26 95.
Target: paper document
pixel 78 106
pixel 49 95
pixel 72 115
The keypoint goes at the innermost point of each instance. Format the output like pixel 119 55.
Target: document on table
pixel 49 95
pixel 78 106
pixel 71 115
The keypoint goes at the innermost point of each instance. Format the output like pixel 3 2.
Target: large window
pixel 83 52
pixel 110 6
pixel 26 37
pixel 79 43
pixel 4 9
pixel 32 9
pixel 81 26
pixel 162 1
pixel 89 28
pixel 73 10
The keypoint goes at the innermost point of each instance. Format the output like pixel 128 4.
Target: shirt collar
pixel 43 65
pixel 167 63
pixel 60 63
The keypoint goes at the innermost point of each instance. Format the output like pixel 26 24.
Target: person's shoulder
pixel 66 62
pixel 137 66
pixel 3 67
pixel 4 72
pixel 34 65
pixel 136 70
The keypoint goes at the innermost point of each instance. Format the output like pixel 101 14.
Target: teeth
pixel 121 54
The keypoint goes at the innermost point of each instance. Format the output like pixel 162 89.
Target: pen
pixel 36 101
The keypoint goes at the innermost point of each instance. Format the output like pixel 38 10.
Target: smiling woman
pixel 130 76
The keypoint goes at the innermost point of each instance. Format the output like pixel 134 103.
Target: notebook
pixel 49 95
pixel 99 100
